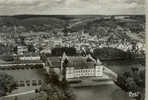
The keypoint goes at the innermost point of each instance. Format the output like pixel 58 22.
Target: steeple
pixel 64 63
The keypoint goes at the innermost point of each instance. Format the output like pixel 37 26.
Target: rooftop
pixel 73 61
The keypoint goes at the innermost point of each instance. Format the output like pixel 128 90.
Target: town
pixel 38 61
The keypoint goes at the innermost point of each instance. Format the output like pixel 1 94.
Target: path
pixel 18 94
pixel 110 73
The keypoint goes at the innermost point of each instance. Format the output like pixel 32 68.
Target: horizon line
pixel 72 14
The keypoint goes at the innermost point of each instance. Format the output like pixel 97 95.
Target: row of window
pixel 81 71
pixel 29 83
pixel 84 74
pixel 29 58
pixel 80 75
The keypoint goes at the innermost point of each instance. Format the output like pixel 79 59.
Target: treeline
pixel 108 53
pixel 58 51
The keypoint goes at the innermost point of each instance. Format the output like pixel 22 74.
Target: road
pixel 110 73
pixel 18 94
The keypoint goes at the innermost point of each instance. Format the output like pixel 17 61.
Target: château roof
pixel 73 61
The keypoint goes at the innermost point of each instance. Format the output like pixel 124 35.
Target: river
pixel 107 92
pixel 102 92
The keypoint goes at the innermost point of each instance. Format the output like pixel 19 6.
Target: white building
pixel 77 66
pixel 29 58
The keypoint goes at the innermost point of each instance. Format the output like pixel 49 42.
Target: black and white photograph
pixel 72 50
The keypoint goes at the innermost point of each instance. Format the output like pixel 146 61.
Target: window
pixel 13 68
pixel 22 84
pixel 17 68
pixel 85 74
pixel 28 82
pixel 78 71
pixel 39 82
pixel 32 67
pixel 34 83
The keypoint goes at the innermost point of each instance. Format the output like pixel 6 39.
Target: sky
pixel 50 7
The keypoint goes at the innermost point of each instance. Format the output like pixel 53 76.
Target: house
pixel 29 57
pixel 21 50
pixel 77 66
pixel 46 50
pixel 57 43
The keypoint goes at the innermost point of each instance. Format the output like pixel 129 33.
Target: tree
pixel 8 57
pixel 31 48
pixel 133 81
pixel 54 89
pixel 109 52
pixel 7 84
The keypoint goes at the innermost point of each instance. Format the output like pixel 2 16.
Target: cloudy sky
pixel 48 7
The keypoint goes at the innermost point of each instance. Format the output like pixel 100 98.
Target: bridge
pixel 21 66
